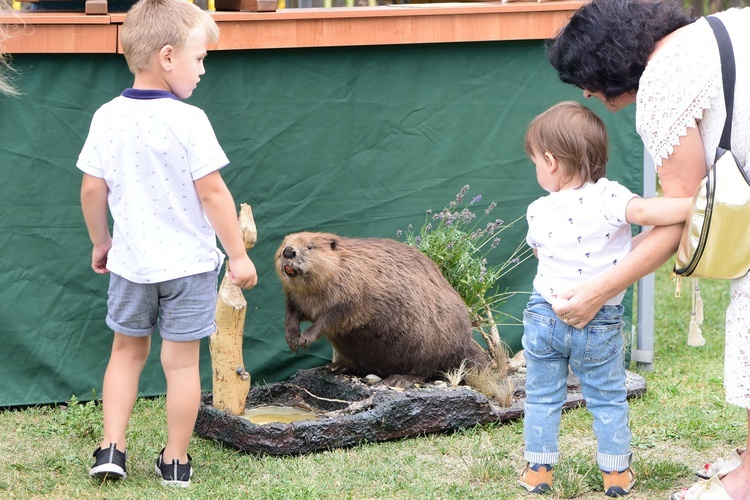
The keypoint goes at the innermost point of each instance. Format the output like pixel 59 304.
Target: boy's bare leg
pixel 120 390
pixel 180 361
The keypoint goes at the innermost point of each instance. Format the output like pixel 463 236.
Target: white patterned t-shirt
pixel 578 234
pixel 150 147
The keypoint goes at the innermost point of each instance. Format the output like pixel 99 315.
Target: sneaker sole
pixel 539 488
pixel 177 484
pixel 108 471
pixel 166 482
pixel 619 491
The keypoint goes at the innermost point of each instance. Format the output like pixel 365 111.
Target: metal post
pixel 643 354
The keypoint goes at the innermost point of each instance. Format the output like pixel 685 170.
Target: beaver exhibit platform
pixel 345 411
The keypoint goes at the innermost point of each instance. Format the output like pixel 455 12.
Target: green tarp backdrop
pixel 354 141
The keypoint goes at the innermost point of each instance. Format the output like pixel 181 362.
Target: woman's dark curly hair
pixel 606 44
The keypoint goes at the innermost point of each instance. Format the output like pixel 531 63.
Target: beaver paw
pixel 339 367
pixel 402 381
pixel 304 343
pixel 292 340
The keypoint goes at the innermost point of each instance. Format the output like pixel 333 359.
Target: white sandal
pixel 722 465
pixel 708 489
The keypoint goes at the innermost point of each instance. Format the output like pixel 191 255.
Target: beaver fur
pixel 384 306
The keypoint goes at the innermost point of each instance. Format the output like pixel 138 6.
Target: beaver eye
pixel 309 247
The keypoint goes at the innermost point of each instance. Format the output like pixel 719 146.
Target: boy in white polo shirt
pixel 153 162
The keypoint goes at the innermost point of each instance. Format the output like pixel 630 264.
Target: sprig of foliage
pixel 459 242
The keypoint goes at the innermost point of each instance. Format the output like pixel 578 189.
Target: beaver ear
pixel 333 244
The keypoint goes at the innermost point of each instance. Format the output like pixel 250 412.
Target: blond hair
pixel 6 87
pixel 153 24
pixel 575 136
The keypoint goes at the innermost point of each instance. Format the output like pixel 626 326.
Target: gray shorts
pixel 184 308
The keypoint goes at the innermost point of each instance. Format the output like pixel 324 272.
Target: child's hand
pixel 99 258
pixel 242 272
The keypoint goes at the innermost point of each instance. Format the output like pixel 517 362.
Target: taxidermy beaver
pixel 384 306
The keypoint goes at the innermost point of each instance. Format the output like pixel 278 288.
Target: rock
pixel 351 412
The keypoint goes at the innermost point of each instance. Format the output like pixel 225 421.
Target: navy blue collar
pixel 148 94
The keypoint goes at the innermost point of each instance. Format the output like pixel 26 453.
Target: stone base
pixel 351 412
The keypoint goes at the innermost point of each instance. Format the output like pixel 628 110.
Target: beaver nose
pixel 288 253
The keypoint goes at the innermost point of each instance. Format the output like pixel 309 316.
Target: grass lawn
pixel 681 422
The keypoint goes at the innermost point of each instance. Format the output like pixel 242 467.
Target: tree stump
pixel 231 382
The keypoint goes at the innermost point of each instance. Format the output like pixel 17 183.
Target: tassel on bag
pixel 698 302
pixel 695 337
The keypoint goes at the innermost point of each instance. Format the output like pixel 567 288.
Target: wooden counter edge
pixel 47 32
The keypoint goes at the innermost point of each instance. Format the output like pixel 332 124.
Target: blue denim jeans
pixel 595 355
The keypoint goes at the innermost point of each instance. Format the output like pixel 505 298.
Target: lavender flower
pixel 458 242
pixel 461 194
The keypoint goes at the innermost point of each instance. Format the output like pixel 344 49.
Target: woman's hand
pixel 578 306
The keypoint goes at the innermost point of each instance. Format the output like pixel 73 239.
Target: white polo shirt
pixel 150 147
pixel 578 234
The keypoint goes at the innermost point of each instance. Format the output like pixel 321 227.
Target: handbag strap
pixel 728 72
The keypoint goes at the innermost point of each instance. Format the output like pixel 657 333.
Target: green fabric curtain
pixel 354 141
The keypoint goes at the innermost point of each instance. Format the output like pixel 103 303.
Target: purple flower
pixel 466 215
pixel 462 193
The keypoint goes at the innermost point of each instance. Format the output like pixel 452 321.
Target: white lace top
pixel 682 86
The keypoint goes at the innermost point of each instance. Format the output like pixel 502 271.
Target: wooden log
pixel 247 225
pixel 231 381
pixel 247 5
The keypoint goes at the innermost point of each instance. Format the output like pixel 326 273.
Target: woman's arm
pixel 679 175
